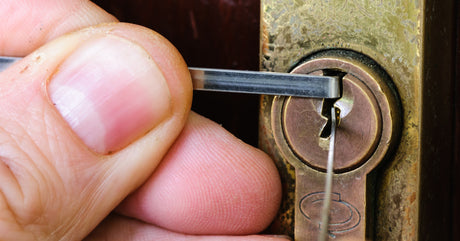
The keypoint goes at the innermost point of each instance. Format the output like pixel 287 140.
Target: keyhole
pixel 329 103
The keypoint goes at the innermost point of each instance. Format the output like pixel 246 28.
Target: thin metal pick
pixel 325 212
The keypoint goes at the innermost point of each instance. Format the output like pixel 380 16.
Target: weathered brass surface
pixel 409 39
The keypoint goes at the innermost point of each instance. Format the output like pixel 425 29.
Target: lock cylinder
pixel 370 114
pixel 368 132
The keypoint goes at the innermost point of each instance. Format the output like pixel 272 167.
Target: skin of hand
pixel 97 141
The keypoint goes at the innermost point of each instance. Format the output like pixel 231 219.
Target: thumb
pixel 83 122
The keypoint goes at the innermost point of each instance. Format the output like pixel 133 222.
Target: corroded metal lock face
pixel 404 196
pixel 368 131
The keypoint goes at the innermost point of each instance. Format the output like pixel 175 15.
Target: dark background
pixel 225 34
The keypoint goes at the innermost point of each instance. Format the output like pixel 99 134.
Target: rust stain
pixel 413 197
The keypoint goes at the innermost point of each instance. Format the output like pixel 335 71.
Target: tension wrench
pixel 252 82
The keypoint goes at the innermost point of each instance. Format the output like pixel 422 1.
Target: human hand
pixel 93 118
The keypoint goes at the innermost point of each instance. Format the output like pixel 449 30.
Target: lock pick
pixel 326 209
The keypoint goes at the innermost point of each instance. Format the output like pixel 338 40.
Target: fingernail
pixel 110 92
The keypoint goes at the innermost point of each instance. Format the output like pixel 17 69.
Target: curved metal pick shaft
pixel 328 186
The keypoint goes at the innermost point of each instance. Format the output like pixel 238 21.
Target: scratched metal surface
pixel 390 32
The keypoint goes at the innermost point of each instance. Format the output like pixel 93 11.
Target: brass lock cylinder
pixel 370 114
pixel 369 130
